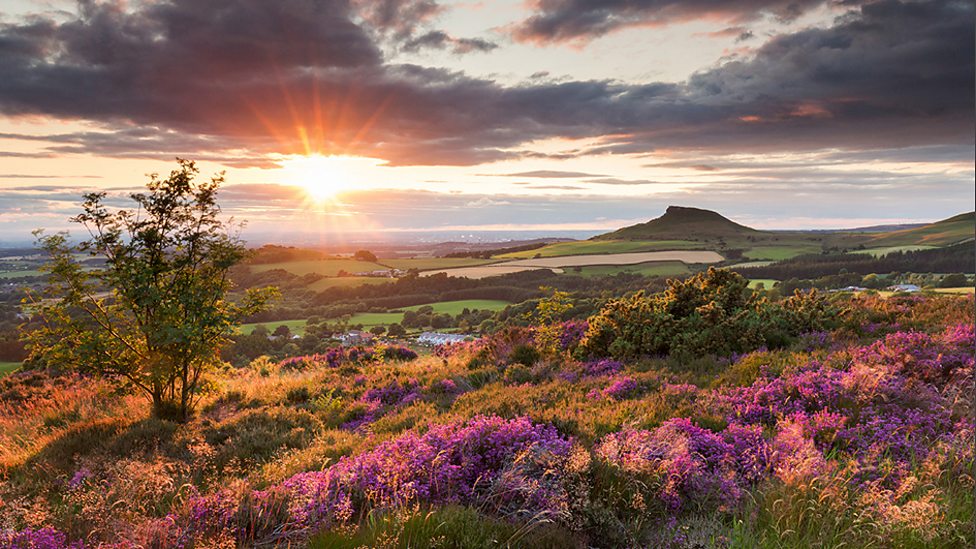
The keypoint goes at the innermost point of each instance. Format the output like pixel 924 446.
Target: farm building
pixel 355 337
pixel 904 288
pixel 438 338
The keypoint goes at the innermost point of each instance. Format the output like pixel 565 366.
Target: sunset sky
pixel 335 116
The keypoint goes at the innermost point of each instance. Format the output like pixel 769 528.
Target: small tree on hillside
pixel 155 316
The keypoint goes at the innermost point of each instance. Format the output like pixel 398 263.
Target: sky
pixel 333 117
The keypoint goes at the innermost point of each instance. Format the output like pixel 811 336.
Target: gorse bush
pixel 710 313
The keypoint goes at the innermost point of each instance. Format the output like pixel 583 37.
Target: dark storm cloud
pixel 557 20
pixel 293 76
pixel 441 40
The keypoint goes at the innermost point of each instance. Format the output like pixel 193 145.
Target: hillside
pixel 953 230
pixel 680 223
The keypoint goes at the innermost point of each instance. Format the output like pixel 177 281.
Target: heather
pixel 854 432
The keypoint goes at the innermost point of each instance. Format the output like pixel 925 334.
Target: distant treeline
pixel 271 253
pixel 960 258
pixel 488 254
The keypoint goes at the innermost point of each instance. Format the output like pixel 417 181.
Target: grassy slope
pixel 449 307
pixel 654 268
pixel 431 263
pixel 7 367
pixel 324 267
pixel 878 252
pixel 562 249
pixel 297 326
pixel 941 233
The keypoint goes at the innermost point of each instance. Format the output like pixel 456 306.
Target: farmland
pixel 7 367
pixel 557 263
pixel 370 319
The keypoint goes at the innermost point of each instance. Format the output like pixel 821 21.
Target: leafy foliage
pixel 710 313
pixel 156 314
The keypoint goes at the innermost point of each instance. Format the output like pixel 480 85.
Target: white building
pixel 438 338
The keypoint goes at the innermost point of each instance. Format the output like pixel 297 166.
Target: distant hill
pixel 682 223
pixel 954 230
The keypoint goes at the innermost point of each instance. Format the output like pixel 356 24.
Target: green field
pixel 368 320
pixel 324 267
pixel 346 282
pixel 432 263
pixel 963 290
pixel 450 307
pixel 766 282
pixel 296 326
pixel 19 274
pixel 7 367
pixel 583 247
pixel 942 233
pixel 878 252
pixel 653 268
pixel 781 251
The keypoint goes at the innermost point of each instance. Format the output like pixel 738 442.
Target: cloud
pixel 441 40
pixel 240 80
pixel 545 174
pixel 562 20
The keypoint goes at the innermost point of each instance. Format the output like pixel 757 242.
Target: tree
pixel 547 316
pixel 396 330
pixel 954 280
pixel 377 330
pixel 155 316
pixel 364 255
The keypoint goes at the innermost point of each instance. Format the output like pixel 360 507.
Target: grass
pixel 324 267
pixel 296 326
pixel 431 263
pixel 346 282
pixel 963 290
pixel 368 320
pixel 766 282
pixel 451 526
pixel 8 367
pixel 781 252
pixel 19 274
pixel 878 252
pixel 942 233
pixel 452 308
pixel 581 247
pixel 653 268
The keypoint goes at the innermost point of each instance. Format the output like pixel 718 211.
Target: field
pixel 7 367
pixel 558 263
pixel 766 282
pixel 601 247
pixel 779 253
pixel 428 263
pixel 964 290
pixel 943 233
pixel 654 268
pixel 449 307
pixel 346 282
pixel 369 320
pixel 324 267
pixel 19 274
pixel 296 326
pixel 878 252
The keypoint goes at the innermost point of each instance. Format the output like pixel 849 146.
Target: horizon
pixel 547 118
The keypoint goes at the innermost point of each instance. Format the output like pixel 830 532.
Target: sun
pixel 321 177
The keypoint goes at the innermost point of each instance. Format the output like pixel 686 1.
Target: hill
pixel 679 223
pixel 953 230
